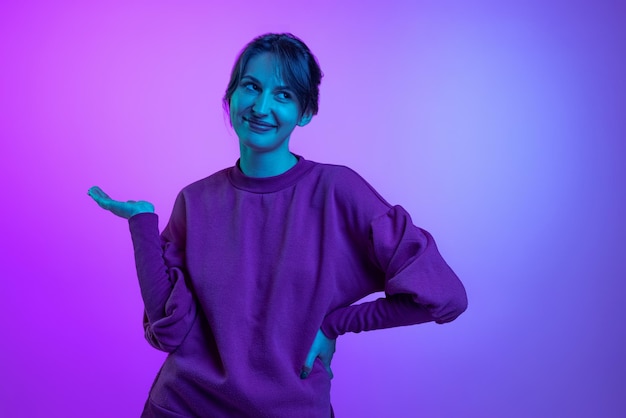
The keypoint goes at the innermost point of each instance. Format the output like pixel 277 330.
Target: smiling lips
pixel 258 125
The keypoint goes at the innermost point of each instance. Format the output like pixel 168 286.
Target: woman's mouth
pixel 258 125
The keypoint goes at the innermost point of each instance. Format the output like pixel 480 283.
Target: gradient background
pixel 501 127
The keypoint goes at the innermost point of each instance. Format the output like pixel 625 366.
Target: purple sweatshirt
pixel 249 269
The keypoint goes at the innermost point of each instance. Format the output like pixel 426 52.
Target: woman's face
pixel 263 110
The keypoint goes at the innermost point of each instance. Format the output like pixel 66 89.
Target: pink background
pixel 500 127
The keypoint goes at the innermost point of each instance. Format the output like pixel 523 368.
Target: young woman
pixel 256 273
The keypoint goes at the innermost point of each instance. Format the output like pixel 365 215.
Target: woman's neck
pixel 269 164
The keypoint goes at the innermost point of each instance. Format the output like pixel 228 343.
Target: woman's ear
pixel 305 118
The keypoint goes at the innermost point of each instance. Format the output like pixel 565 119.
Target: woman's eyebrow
pixel 279 87
pixel 251 78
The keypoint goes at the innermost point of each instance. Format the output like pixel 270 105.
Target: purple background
pixel 500 127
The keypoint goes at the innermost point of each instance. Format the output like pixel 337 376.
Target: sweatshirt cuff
pixel 330 325
pixel 143 221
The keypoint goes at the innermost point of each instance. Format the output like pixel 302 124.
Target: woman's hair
pixel 296 65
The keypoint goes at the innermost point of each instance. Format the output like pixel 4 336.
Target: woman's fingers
pixel 103 200
pixel 322 347
pixel 97 193
pixel 308 363
pixel 100 197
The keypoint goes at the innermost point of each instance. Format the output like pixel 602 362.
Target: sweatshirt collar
pixel 269 184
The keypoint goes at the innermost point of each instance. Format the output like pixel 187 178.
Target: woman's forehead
pixel 266 68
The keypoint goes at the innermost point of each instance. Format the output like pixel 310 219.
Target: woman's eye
pixel 250 86
pixel 284 95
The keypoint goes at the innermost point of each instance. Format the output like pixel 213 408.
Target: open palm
pixel 121 209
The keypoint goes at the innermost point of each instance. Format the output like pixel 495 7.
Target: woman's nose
pixel 261 104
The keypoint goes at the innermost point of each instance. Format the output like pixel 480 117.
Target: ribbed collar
pixel 269 184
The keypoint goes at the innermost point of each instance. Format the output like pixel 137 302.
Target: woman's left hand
pixel 324 348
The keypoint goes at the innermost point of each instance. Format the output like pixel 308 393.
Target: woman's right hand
pixel 121 209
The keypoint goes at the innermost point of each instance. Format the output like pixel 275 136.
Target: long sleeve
pixel 419 285
pixel 169 304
